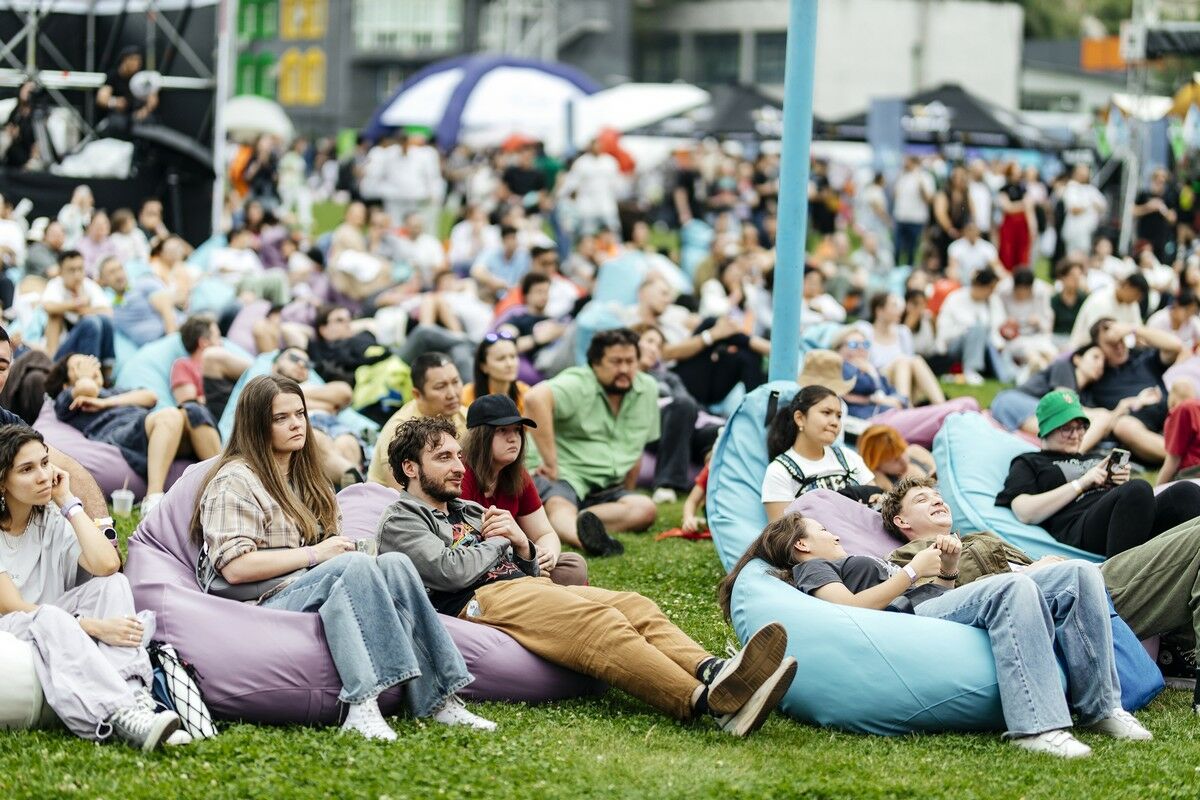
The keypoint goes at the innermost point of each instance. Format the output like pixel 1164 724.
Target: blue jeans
pixel 92 335
pixel 381 629
pixel 1028 617
pixel 1012 407
pixel 908 239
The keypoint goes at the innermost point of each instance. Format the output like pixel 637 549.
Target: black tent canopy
pixel 949 113
pixel 733 111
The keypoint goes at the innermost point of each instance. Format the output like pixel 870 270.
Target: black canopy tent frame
pixel 734 111
pixel 971 121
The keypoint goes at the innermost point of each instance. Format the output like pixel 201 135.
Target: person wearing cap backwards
pixel 1077 498
pixel 493 453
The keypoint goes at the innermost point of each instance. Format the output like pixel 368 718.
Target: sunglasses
pixel 856 344
pixel 299 361
pixel 502 336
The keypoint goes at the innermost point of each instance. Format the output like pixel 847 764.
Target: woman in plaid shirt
pixel 268 525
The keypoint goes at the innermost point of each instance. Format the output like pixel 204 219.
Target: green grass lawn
pixel 610 746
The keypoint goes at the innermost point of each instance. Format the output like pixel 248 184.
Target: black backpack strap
pixel 772 406
pixel 793 469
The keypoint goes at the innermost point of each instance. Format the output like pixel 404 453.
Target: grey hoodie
pixel 453 560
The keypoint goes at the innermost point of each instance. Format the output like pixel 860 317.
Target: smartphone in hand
pixel 1117 459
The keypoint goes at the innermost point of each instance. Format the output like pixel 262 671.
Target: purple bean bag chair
pixel 859 527
pixel 241 332
pixel 920 425
pixel 103 461
pixel 1188 370
pixel 272 666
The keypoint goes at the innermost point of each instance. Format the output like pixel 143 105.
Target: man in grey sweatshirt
pixel 478 564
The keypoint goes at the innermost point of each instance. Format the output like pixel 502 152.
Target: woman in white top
pixel 61 591
pixel 803 456
pixel 892 351
pixel 732 295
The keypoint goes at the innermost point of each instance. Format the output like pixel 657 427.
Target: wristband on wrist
pixel 1077 485
pixel 706 337
pixel 953 577
pixel 312 557
pixel 72 507
pixel 911 573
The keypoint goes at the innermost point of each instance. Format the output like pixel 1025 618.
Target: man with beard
pixel 593 423
pixel 479 565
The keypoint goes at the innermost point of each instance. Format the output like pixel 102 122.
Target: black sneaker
pixel 1178 663
pixel 742 675
pixel 594 537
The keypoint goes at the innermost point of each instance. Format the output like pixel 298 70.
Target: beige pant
pixel 622 638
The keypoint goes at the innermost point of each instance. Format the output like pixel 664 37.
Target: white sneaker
pixel 1121 725
pixel 454 712
pixel 366 720
pixel 150 502
pixel 972 378
pixel 141 728
pixel 1058 743
pixel 664 494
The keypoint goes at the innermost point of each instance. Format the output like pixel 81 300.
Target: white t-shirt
pixel 981 204
pixel 780 487
pixel 56 292
pixel 910 204
pixel 43 562
pixel 971 257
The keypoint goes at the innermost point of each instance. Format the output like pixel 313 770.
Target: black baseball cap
pixel 496 410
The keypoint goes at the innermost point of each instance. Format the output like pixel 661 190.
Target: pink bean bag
pixel 272 666
pixel 920 425
pixel 241 332
pixel 103 461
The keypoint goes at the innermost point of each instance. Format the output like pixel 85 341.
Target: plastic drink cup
pixel 368 546
pixel 122 501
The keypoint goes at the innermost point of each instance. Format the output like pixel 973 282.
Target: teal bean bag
pixel 865 671
pixel 150 367
pixel 262 366
pixel 972 458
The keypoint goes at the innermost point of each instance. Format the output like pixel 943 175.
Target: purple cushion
pixel 859 527
pixel 920 425
pixel 1188 370
pixel 103 461
pixel 241 331
pixel 284 673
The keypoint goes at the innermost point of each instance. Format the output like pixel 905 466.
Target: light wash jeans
pixel 1029 616
pixel 381 629
pixel 974 349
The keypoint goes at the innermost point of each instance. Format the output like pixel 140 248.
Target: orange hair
pixel 880 443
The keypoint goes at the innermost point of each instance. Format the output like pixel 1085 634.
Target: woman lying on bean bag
pixel 1027 617
pixel 268 527
pixel 87 643
pixel 148 440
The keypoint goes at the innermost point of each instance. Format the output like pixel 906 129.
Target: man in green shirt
pixel 593 423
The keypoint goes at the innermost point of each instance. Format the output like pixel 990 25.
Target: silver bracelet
pixel 706 337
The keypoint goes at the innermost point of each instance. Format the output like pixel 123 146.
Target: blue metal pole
pixel 793 189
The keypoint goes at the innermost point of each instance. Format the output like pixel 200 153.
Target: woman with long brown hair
pixel 267 524
pixel 494 456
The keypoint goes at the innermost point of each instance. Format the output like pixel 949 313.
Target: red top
pixel 186 371
pixel 702 478
pixel 519 506
pixel 1182 433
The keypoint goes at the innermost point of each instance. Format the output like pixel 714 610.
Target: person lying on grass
pixel 267 525
pixel 88 646
pixel 1152 585
pixel 1028 617
pixel 478 564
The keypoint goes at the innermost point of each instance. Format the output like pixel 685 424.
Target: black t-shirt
pixel 1015 192
pixel 1045 471
pixel 120 88
pixel 824 216
pixel 1064 315
pixel 466 534
pixel 521 181
pixel 1144 368
pixel 858 573
pixel 693 186
pixel 1154 227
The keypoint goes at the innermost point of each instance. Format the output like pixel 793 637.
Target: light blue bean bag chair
pixel 150 367
pixel 972 458
pixel 262 366
pixel 864 671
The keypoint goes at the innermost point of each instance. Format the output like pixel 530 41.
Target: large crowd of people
pixel 515 344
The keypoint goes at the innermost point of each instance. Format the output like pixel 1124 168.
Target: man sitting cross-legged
pixel 1155 586
pixel 478 564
